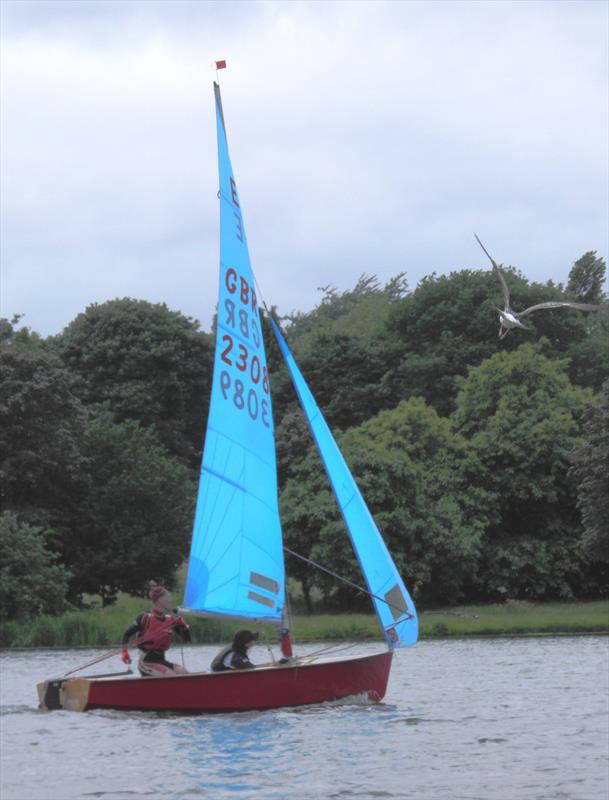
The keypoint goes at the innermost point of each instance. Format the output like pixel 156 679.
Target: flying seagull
pixel 508 318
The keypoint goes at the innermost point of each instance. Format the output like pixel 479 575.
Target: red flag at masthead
pixel 221 64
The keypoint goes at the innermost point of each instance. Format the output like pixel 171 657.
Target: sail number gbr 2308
pixel 244 378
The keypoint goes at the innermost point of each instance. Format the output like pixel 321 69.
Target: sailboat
pixel 236 566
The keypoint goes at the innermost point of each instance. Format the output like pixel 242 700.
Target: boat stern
pixel 71 694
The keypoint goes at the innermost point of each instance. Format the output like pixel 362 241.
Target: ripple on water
pixel 6 710
pixel 465 720
pixel 121 793
pixel 484 740
pixel 369 793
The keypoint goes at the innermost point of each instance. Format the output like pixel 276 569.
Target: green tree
pixel 591 472
pixel 360 311
pixel 589 353
pixel 413 473
pixel 341 349
pixel 134 520
pixel 344 374
pixel 292 444
pixel 449 323
pixel 522 417
pixel 307 505
pixel 116 506
pixel 146 363
pixel 31 582
pixel 22 338
pixel 587 277
pixel 41 429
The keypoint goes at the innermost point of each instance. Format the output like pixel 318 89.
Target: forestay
pixel 236 564
pixel 392 601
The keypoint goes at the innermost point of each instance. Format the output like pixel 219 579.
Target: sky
pixel 366 137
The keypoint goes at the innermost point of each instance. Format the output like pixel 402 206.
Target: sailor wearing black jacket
pixel 235 655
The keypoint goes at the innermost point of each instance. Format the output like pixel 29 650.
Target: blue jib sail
pixel 236 563
pixel 392 602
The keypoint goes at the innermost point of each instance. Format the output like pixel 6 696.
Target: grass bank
pixel 104 627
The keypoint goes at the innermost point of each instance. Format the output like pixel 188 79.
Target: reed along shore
pixel 104 627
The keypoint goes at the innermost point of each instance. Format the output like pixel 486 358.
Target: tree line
pixel 484 463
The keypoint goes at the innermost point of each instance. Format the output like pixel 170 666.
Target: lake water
pixel 467 719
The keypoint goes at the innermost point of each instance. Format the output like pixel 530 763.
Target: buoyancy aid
pixel 156 631
pixel 217 665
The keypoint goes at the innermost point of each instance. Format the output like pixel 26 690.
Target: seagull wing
pixel 579 306
pixel 498 272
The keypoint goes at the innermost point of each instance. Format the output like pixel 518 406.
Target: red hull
pixel 263 688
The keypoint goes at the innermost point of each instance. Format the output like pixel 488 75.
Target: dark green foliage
pixel 587 278
pixel 146 363
pixel 411 469
pixel 441 518
pixel 589 353
pixel 344 375
pixel 31 582
pixel 274 359
pixel 342 350
pixel 522 418
pixel 18 338
pixel 479 458
pixel 306 506
pixel 117 506
pixel 41 428
pixel 135 519
pixel 501 519
pixel 450 323
pixel 359 312
pixel 591 473
pixel 292 443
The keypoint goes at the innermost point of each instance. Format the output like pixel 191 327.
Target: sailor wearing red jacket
pixel 154 630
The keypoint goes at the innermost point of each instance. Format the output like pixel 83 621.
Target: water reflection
pixel 238 754
pixel 234 746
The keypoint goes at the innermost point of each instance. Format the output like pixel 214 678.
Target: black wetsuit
pixel 238 660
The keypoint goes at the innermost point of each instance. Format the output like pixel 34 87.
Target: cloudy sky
pixel 365 137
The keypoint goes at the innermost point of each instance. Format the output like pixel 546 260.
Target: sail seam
pixel 224 583
pixel 214 535
pixel 242 446
pixel 224 478
pixel 261 548
pixel 223 554
pixel 211 540
pixel 235 335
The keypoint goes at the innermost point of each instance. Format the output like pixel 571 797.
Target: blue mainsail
pixel 392 602
pixel 236 563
